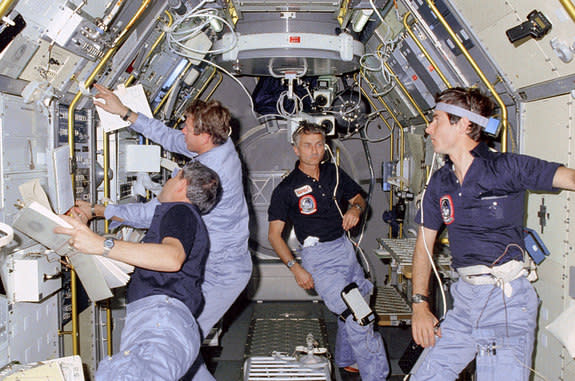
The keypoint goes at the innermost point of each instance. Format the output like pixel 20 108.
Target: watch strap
pixel 127 116
pixel 109 244
pixel 419 298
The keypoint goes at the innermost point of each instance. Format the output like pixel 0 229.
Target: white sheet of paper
pixel 33 191
pixel 133 97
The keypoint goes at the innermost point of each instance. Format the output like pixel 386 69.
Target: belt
pixel 482 274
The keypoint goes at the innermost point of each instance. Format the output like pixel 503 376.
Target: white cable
pixel 298 105
pixel 177 36
pixel 536 373
pixel 192 13
pixel 356 244
pixel 275 116
pixel 255 115
pixel 179 33
pixel 430 255
pixel 364 65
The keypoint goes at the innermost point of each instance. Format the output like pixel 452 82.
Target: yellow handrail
pixel 424 51
pixel 478 71
pixel 391 136
pixel 569 8
pixel 154 45
pixel 167 95
pixel 5 6
pixel 402 87
pixel 200 91
pixel 216 85
pixel 71 113
pixel 401 139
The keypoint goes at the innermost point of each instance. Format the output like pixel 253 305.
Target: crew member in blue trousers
pixel 305 197
pixel 161 338
pixel 205 138
pixel 479 195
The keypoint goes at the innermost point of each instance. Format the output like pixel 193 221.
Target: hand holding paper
pixel 112 105
pixel 82 238
pixel 111 102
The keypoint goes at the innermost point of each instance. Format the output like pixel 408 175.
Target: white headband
pixel 490 125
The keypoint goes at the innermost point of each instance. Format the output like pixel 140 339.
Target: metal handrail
pixel 569 8
pixel 71 113
pixel 479 72
pixel 424 51
pixel 221 78
pixel 404 89
pixel 401 139
pixel 5 6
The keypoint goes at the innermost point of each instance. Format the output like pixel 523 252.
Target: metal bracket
pixel 542 215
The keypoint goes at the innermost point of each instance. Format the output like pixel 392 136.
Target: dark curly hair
pixel 471 99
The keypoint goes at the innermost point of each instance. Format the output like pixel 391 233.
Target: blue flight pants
pixel 500 333
pixel 224 280
pixel 160 341
pixel 333 265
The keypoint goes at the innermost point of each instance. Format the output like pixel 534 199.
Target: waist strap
pixel 482 274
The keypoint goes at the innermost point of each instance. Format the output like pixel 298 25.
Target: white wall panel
pixel 33 331
pixel 531 61
pixel 548 133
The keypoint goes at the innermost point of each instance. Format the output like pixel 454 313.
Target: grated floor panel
pixel 267 335
pixel 402 251
pixel 390 307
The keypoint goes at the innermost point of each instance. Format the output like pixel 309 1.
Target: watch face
pixel 417 298
pixel 109 243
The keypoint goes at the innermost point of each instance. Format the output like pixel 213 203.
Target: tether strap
pixel 343 316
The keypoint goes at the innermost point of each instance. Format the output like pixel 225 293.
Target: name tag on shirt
pixel 303 190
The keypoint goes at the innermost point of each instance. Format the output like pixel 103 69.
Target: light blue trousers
pixel 160 341
pixel 333 265
pixel 481 324
pixel 224 281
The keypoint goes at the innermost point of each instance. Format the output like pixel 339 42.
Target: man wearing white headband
pixel 479 195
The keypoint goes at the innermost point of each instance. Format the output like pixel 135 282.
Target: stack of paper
pixel 98 274
pixel 60 369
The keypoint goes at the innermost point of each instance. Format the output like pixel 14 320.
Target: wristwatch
pixel 358 207
pixel 291 263
pixel 108 246
pixel 127 116
pixel 418 298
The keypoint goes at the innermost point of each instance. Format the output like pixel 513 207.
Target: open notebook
pixel 98 274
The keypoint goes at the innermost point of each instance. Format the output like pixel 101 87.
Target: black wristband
pixel 127 116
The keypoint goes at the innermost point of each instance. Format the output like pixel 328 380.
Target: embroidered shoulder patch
pixel 307 205
pixel 303 190
pixel 446 205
